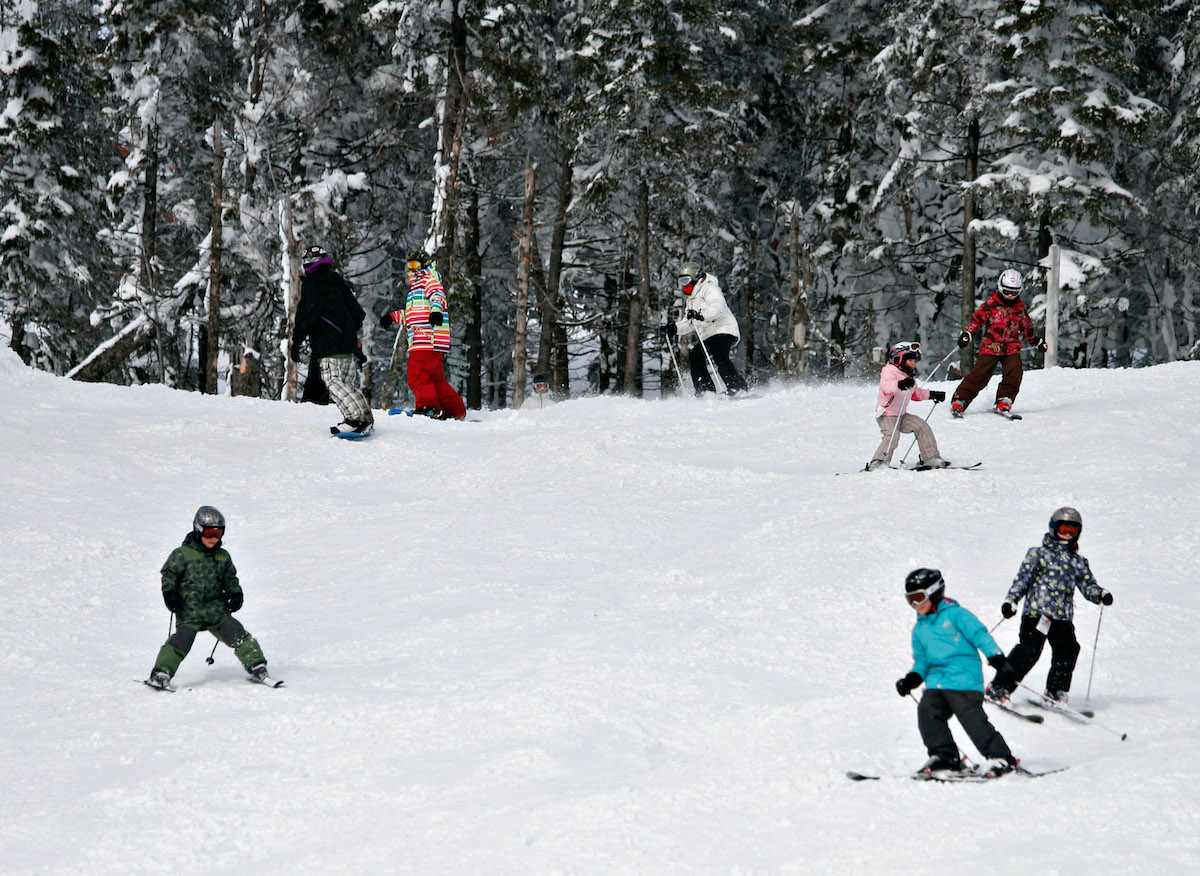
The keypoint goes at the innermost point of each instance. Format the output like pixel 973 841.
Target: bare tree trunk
pixel 523 274
pixel 214 260
pixel 552 349
pixel 291 292
pixel 968 246
pixel 638 302
pixel 473 271
pixel 800 281
pixel 751 299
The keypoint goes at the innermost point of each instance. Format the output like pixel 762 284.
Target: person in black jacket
pixel 329 317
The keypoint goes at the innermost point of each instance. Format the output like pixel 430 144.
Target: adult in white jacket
pixel 707 314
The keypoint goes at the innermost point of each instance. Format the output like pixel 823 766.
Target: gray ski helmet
pixel 690 273
pixel 1066 515
pixel 207 517
pixel 922 584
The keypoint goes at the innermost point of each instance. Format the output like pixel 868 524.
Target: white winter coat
pixel 707 300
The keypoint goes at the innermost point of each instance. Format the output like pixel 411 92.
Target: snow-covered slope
pixel 612 636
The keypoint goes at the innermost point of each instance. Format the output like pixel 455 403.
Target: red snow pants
pixel 427 380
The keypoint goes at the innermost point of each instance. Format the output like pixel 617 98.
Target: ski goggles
pixel 212 531
pixel 414 265
pixel 905 350
pixel 1071 530
pixel 686 280
pixel 918 597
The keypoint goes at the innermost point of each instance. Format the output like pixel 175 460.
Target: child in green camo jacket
pixel 200 587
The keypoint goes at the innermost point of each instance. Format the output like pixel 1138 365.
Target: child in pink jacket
pixel 897 387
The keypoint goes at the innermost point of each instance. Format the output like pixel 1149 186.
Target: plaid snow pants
pixel 340 375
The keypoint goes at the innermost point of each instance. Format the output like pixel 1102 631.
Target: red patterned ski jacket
pixel 1004 326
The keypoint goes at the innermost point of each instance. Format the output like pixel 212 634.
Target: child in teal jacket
pixel 946 642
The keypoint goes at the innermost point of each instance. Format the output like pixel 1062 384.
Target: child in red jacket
pixel 1004 322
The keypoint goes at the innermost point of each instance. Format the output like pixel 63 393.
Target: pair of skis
pixel 971 775
pixel 170 688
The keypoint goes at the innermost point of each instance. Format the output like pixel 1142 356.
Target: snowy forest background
pixel 853 172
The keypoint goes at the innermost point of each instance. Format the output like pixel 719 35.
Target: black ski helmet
pixel 207 517
pixel 1069 516
pixel 927 581
pixel 312 255
pixel 422 259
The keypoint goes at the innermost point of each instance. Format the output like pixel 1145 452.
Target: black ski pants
pixel 933 720
pixel 1064 651
pixel 719 347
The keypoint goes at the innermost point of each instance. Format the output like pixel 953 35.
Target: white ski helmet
pixel 901 351
pixel 1009 284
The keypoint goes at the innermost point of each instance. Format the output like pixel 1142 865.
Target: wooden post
pixel 1053 284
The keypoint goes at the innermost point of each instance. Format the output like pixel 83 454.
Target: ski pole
pixel 914 441
pixel 674 361
pixel 1088 697
pixel 209 659
pixel 895 436
pixel 993 629
pixel 942 362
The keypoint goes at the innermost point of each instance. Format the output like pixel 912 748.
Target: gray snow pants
pixel 340 376
pixel 910 423
pixel 933 717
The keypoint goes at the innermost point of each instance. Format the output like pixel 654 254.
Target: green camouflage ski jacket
pixel 201 580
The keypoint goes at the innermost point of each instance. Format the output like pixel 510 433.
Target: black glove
pixel 937 395
pixel 360 357
pixel 964 339
pixel 906 383
pixel 233 602
pixel 435 317
pixel 173 601
pixel 1106 599
pixel 695 316
pixel 385 320
pixel 996 662
pixel 1042 346
pixel 1008 609
pixel 908 684
pixel 670 331
pixel 294 352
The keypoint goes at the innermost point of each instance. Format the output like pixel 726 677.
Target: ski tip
pixel 859 777
pixel 396 411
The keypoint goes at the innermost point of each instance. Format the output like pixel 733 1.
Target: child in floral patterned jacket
pixel 1047 581
pixel 1004 322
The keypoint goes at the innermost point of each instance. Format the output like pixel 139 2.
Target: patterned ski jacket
pixel 328 314
pixel 425 296
pixel 1048 577
pixel 201 579
pixel 946 645
pixel 891 396
pixel 708 301
pixel 1004 326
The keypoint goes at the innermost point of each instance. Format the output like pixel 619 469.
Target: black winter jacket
pixel 329 315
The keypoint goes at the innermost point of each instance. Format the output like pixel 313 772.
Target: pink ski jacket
pixel 890 395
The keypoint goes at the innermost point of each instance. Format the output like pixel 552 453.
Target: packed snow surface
pixel 611 636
